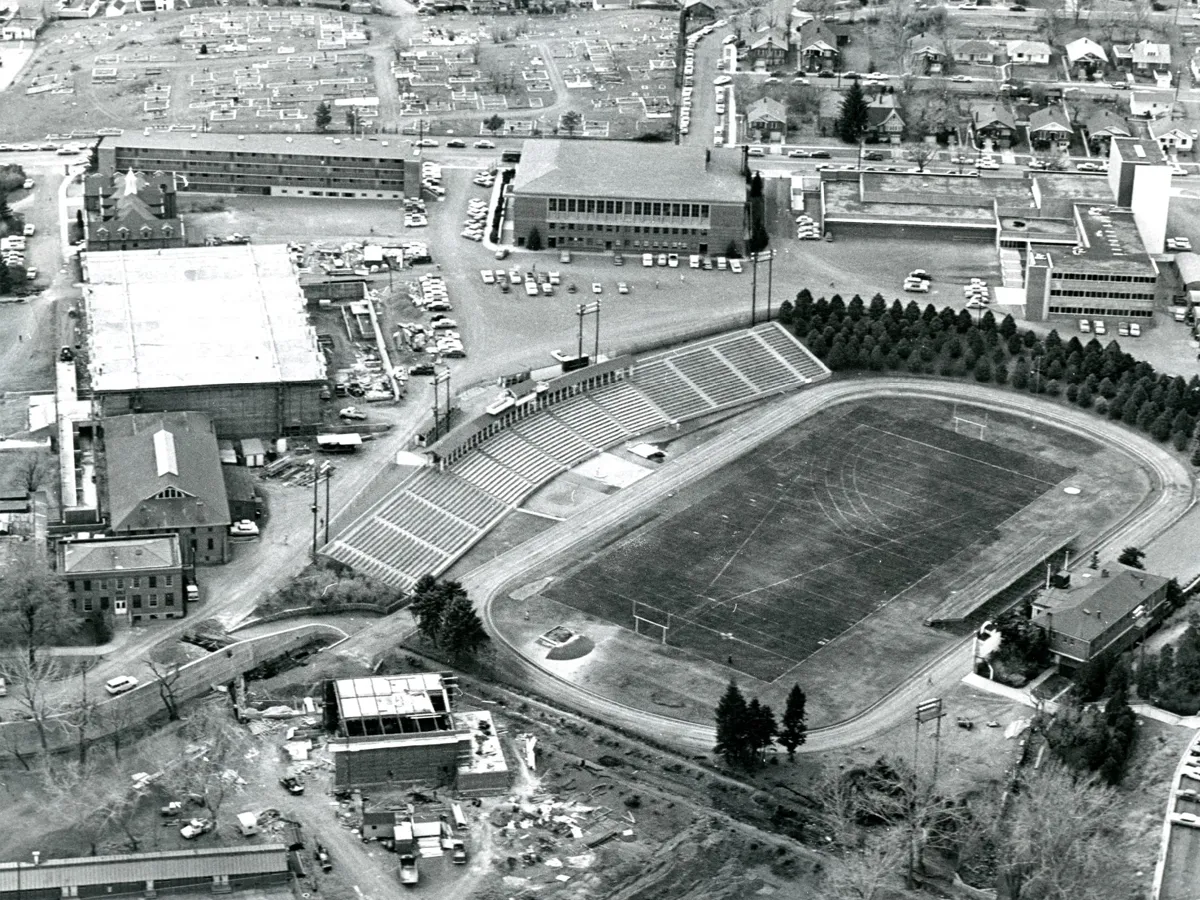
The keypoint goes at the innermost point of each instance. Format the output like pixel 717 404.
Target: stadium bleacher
pixel 427 522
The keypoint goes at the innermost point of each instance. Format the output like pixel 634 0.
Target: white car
pixel 120 684
pixel 426 142
pixel 673 260
pixel 648 260
pixel 29 230
pixel 350 412
pixel 484 145
pixel 916 285
pixel 245 528
pixel 622 287
pixel 597 287
pixel 735 266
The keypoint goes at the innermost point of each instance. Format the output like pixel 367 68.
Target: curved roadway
pixel 1171 495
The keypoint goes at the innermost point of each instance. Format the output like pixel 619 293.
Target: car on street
pixel 458 145
pixel 798 154
pixel 29 230
pixel 243 528
pixel 120 684
pixel 427 142
pixel 874 156
pixel 916 285
pixel 484 145
pixel 735 266
pixel 622 287
pixel 28 184
pixel 821 154
pixel 31 273
pixel 353 412
pixel 962 79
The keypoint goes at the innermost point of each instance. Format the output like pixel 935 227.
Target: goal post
pixel 970 425
pixel 651 627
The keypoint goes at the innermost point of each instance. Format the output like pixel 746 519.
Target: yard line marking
pixel 973 459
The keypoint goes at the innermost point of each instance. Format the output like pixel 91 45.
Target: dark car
pixel 422 369
pixel 874 156
pixel 825 73
pixel 292 784
pixel 66 354
pixel 457 144
pixel 321 855
pixel 820 154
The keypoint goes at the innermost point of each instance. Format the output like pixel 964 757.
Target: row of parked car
pixel 476 224
pixel 1097 326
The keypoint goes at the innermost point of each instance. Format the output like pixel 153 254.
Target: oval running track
pixel 1170 496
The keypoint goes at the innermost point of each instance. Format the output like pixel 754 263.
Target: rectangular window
pixel 120 584
pixel 153 581
pixel 571 204
pixel 136 581
pixel 87 604
pixel 658 209
pixel 87 584
pixel 704 210
pixel 137 601
pixel 104 584
pixel 675 210
pixel 154 599
pixel 210 543
pixel 637 208
pixel 168 599
pixel 591 206
pixel 71 585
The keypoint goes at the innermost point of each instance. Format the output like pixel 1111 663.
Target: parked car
pixel 457 144
pixel 597 287
pixel 622 287
pixel 353 412
pixel 29 230
pixel 197 827
pixel 484 145
pixel 321 855
pixel 243 528
pixel 292 784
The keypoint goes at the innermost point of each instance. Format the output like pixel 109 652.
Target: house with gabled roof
pixel 1050 127
pixel 884 123
pixel 1028 53
pixel 700 11
pixel 1171 139
pixel 928 54
pixel 1102 126
pixel 767 49
pixel 1085 52
pixel 974 52
pixel 767 118
pixel 993 122
pixel 1144 57
pixel 1151 104
pixel 22 28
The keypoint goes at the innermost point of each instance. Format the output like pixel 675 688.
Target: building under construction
pixel 401 728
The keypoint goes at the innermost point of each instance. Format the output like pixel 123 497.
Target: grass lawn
pixel 808 536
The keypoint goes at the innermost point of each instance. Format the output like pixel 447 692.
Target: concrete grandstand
pixel 433 517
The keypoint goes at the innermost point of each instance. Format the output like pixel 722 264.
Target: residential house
pixel 79 9
pixel 819 56
pixel 1100 614
pixel 1028 53
pixel 1084 53
pixel 1151 104
pixel 974 52
pixel 767 119
pixel 118 8
pixel 1050 128
pixel 1172 140
pixel 126 580
pixel 884 123
pixel 993 122
pixel 817 45
pixel 133 211
pixel 928 55
pixel 162 475
pixel 699 12
pixel 1102 126
pixel 1144 57
pixel 767 50
pixel 21 28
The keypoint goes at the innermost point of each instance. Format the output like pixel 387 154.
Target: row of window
pixel 135 581
pixel 145 231
pixel 634 229
pixel 1095 276
pixel 630 208
pixel 89 604
pixel 639 245
pixel 1101 295
pixel 238 155
pixel 1102 311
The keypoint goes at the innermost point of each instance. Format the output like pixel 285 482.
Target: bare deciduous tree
pixel 94 796
pixel 165 662
pixel 203 764
pixel 31 680
pixel 32 471
pixel 32 604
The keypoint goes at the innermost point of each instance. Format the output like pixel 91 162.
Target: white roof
pixel 198 316
pixel 1082 47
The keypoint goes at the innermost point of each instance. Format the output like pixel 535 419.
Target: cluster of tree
pixel 746 729
pixel 570 122
pixel 1091 739
pixel 877 337
pixel 330 587
pixel 1171 678
pixel 1024 649
pixel 446 618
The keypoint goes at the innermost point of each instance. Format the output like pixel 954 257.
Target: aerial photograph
pixel 600 449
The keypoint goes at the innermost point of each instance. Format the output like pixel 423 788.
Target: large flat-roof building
pixel 275 165
pixel 631 197
pixel 223 330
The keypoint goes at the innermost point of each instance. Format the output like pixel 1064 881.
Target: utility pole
pixel 328 478
pixel 315 506
pixel 753 289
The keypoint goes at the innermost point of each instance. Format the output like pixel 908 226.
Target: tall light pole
pixel 315 506
pixel 328 478
pixel 442 377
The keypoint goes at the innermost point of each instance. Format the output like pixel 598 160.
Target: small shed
pixel 379 824
pixel 254 454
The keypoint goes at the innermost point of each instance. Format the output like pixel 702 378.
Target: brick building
pixel 128 580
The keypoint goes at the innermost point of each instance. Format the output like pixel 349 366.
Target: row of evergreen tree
pixel 876 336
pixel 745 729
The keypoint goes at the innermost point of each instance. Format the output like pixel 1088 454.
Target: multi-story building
pixel 162 475
pixel 127 580
pixel 131 211
pixel 602 195
pixel 273 165
pixel 1100 613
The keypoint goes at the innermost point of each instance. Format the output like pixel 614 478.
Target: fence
pixel 21 738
